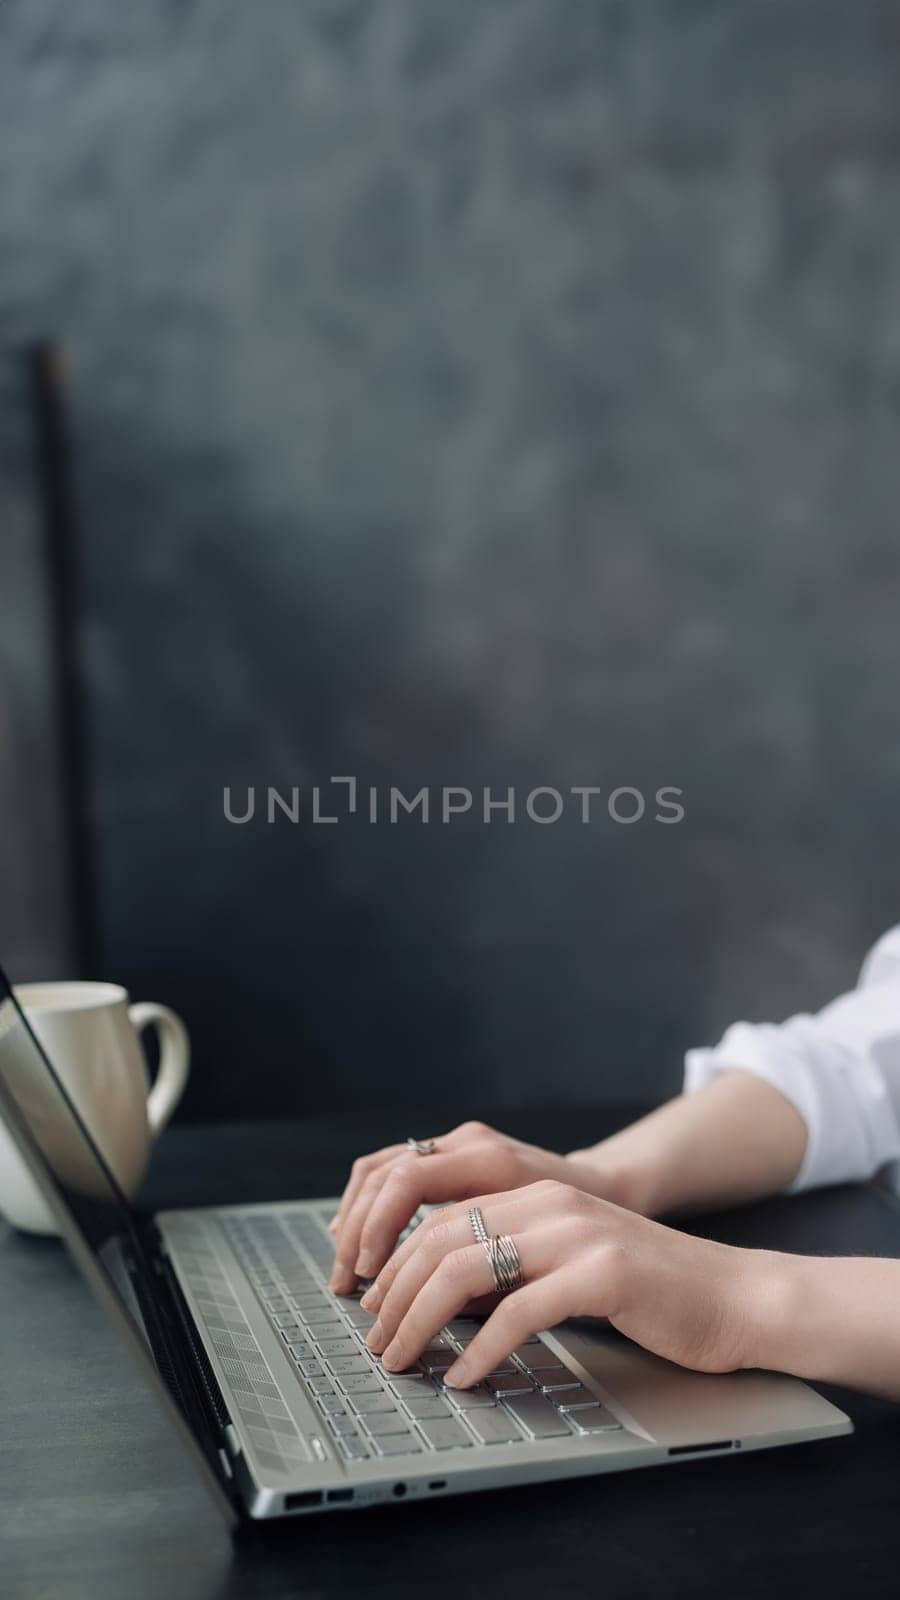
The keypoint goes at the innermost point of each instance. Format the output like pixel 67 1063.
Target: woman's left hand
pixel 698 1303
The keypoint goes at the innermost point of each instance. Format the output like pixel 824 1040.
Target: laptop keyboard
pixel 371 1413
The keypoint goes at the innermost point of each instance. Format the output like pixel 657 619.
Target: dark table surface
pixel 96 1501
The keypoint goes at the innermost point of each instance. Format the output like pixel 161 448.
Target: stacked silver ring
pixel 500 1249
pixel 478 1227
pixel 505 1264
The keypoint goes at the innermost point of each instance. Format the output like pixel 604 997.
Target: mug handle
pixel 174 1060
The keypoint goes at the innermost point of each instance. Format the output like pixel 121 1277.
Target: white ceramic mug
pixel 90 1033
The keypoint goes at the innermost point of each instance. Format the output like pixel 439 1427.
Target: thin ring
pixel 505 1264
pixel 423 1147
pixel 478 1227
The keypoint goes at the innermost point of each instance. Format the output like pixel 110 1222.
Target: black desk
pixel 96 1502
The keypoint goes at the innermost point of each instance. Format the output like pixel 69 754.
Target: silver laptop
pixel 265 1376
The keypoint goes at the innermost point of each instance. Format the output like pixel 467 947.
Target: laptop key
pixel 470 1399
pixel 360 1383
pixel 385 1423
pixel 493 1426
pixel 542 1360
pixel 353 1310
pixel 352 1448
pixel 303 1356
pixel 438 1361
pixel 397 1444
pixel 509 1383
pixel 412 1384
pixel 336 1347
pixel 427 1406
pixel 367 1404
pixel 575 1399
pixel 343 1424
pixel 537 1416
pixel 593 1419
pixel 321 1384
pixel 318 1331
pixel 444 1434
pixel 343 1366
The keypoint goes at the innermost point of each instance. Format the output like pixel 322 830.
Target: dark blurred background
pixel 503 392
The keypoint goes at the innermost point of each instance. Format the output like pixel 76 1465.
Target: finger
pixel 351 1213
pixel 447 1229
pixel 359 1172
pixel 348 1266
pixel 344 1275
pixel 458 1278
pixel 538 1305
pixel 407 1186
pixel 444 1232
pixel 459 1216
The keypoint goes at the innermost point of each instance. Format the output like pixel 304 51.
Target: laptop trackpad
pixel 678 1407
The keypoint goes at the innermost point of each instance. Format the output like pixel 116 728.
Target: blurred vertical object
pixel 48 374
pixel 35 934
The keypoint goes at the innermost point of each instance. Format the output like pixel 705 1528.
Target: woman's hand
pixel 386 1189
pixel 697 1303
pixel 735 1140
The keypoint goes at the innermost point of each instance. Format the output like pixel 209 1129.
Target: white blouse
pixel 840 1068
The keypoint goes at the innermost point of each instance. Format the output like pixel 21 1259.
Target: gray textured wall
pixel 500 391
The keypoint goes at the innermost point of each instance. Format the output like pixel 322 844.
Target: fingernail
pixel 375 1336
pixel 371 1300
pixel 393 1358
pixel 456 1377
pixel 365 1266
pixel 341 1277
pixel 332 1226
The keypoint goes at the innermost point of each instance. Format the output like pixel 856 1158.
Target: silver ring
pixel 478 1227
pixel 506 1267
pixel 423 1147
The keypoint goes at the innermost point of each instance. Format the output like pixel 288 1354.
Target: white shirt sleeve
pixel 840 1068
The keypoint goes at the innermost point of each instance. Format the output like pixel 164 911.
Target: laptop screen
pixel 59 1141
pixel 40 1129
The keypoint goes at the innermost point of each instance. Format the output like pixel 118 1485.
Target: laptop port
pixel 438 1483
pixel 695 1449
pixel 399 1490
pixel 337 1497
pixel 308 1497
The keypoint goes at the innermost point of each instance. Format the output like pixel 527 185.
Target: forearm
pixel 830 1320
pixel 736 1140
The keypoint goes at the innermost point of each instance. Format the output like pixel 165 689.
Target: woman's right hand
pixel 386 1188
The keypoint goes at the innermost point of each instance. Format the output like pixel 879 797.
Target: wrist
pixel 774 1311
pixel 623 1183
